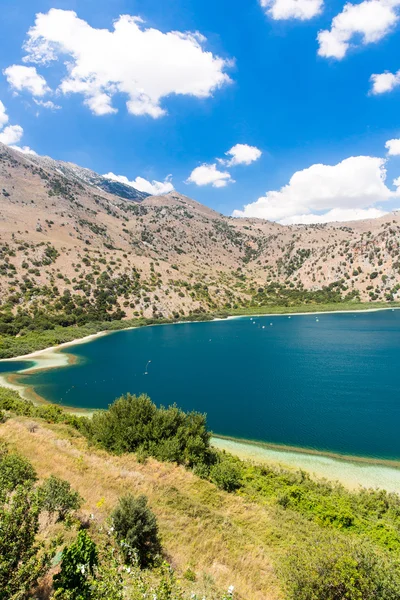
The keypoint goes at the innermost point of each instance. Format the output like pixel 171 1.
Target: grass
pixel 313 308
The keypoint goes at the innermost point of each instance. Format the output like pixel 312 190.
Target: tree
pixel 136 529
pixel 22 559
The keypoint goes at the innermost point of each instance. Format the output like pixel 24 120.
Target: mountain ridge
pixel 65 237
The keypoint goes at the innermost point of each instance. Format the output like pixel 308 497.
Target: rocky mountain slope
pixel 70 237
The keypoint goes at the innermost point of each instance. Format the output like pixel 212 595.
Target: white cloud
pixel 335 215
pixel 47 104
pixel 322 193
pixel 209 175
pixel 384 82
pixel 292 9
pixel 3 115
pixel 371 20
pixel 24 150
pixel 11 135
pixel 242 154
pixel 393 147
pixel 155 188
pixel 147 65
pixel 22 78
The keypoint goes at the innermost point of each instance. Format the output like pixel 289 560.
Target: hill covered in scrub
pixel 73 494
pixel 79 250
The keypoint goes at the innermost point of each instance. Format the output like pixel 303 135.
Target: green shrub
pixel 77 568
pixel 14 470
pixel 134 423
pixel 57 497
pixel 226 475
pixel 328 568
pixel 136 529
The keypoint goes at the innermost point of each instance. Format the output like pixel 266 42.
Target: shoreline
pixel 54 359
pixel 351 471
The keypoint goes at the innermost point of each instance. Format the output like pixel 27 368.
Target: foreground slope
pixel 223 538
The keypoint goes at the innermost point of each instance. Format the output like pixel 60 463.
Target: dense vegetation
pixel 352 550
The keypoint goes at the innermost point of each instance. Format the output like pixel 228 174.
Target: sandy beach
pixel 350 473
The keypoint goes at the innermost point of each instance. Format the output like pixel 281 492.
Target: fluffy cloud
pixel 210 175
pixel 241 154
pixel 11 135
pixel 384 82
pixel 145 64
pixel 323 193
pixel 371 20
pixel 23 78
pixel 155 188
pixel 3 115
pixel 393 147
pixel 24 150
pixel 292 9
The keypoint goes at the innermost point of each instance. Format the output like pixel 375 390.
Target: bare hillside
pixel 65 233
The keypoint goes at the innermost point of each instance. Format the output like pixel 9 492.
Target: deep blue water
pixel 331 384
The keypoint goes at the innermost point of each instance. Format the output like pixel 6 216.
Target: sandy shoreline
pixel 351 473
pixel 49 357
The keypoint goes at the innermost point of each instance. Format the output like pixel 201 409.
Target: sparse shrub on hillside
pixel 136 530
pixel 57 497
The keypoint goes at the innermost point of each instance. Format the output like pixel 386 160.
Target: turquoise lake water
pixel 329 382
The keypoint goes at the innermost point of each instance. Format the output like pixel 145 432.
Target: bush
pixel 14 470
pixel 136 529
pixel 56 497
pixel 134 423
pixel 226 475
pixel 328 568
pixel 77 568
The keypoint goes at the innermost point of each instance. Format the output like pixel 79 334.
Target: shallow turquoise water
pixel 330 384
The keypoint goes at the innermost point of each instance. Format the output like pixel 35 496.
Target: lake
pixel 329 382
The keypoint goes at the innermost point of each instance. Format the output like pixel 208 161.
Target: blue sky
pixel 275 93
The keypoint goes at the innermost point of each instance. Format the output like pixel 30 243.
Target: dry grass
pixel 222 537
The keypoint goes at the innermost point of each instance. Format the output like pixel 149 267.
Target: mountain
pixel 88 177
pixel 71 240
